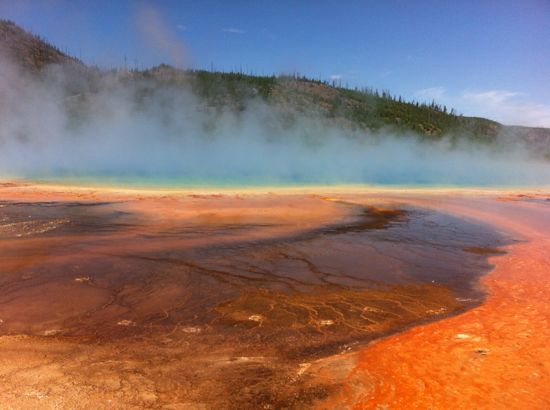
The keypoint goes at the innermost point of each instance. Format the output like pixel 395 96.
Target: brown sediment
pixel 214 301
pixel 493 356
pixel 485 250
pixel 325 319
pixel 528 197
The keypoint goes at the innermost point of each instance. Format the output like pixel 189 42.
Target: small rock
pixel 35 393
pixel 436 311
pixel 303 368
pixel 126 323
pixel 256 318
pixel 482 351
pixel 325 322
pixel 191 329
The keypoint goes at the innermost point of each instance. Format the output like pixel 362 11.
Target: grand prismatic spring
pixel 259 205
pixel 277 299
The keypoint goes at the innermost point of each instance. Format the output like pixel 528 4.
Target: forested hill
pixel 28 50
pixel 292 95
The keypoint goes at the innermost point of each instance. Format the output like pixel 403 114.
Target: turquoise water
pixel 158 182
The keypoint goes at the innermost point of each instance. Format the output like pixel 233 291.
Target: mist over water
pixel 120 130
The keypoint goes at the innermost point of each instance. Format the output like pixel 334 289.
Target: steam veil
pixel 131 130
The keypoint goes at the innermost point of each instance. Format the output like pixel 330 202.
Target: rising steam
pixel 114 127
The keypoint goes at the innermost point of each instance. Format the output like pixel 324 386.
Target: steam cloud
pixel 138 130
pixel 157 33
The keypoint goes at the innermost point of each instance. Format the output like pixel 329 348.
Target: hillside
pixel 293 96
pixel 29 50
pixel 366 109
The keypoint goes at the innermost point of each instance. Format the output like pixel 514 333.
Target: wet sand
pixel 254 300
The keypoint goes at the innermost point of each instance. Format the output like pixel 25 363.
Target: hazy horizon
pixel 117 135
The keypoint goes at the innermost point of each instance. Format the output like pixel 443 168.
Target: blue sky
pixel 487 58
